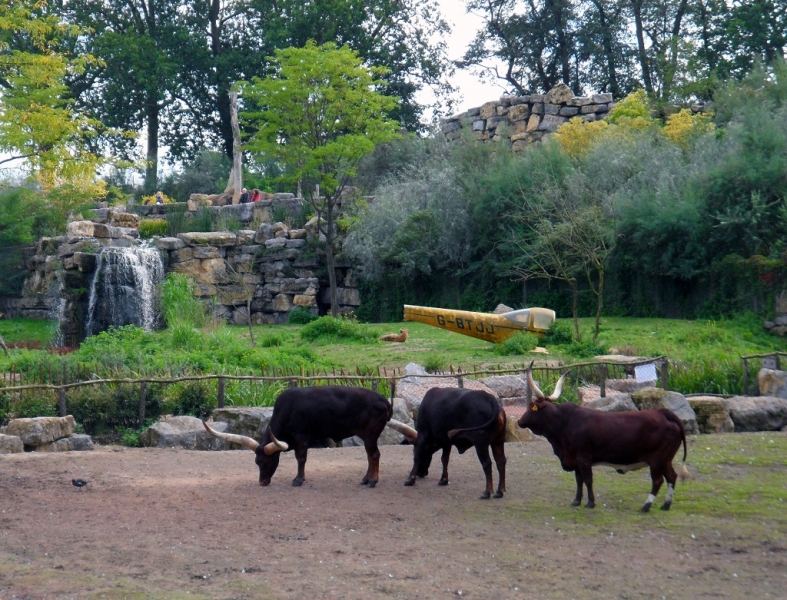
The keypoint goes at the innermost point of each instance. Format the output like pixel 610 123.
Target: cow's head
pixel 267 453
pixel 541 404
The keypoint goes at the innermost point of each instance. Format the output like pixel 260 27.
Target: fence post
pixel 220 393
pixel 664 375
pixel 460 382
pixel 375 386
pixel 293 383
pixel 602 374
pixel 393 388
pixel 62 409
pixel 143 389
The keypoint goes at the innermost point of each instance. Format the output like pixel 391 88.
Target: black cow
pixel 462 418
pixel 306 416
pixel 626 441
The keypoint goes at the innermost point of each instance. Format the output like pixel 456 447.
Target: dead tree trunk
pixel 235 181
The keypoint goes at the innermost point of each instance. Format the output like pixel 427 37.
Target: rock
pixel 251 421
pixel 209 238
pixel 712 416
pixel 197 201
pixel 10 444
pixel 514 433
pixel 123 219
pixel 506 386
pixel 652 398
pixel 614 403
pixel 210 271
pixel 413 387
pixel 41 430
pixel 72 443
pixel 275 243
pixel 560 94
pixel 772 383
pixel 183 432
pixel 79 229
pixel 757 413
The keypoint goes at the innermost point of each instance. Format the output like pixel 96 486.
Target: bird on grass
pixel 78 483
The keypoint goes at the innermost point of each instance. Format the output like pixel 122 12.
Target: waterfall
pixel 122 291
pixel 58 313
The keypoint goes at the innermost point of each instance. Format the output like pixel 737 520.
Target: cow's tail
pixel 671 416
pixel 495 405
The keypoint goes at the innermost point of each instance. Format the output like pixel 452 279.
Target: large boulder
pixel 759 413
pixel 507 386
pixel 613 403
pixel 251 421
pixel 413 386
pixel 121 218
pixel 712 416
pixel 209 238
pixel 10 444
pixel 514 433
pixel 183 432
pixel 772 383
pixel 41 430
pixel 197 201
pixel 389 437
pixel 654 398
pixel 72 443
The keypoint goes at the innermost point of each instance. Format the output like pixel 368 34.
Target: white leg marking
pixel 651 499
pixel 670 492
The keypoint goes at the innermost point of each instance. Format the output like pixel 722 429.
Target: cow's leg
pixel 419 448
pixel 444 457
pixel 658 478
pixel 672 478
pixel 486 463
pixel 300 455
pixel 499 452
pixel 373 455
pixel 578 498
pixel 585 470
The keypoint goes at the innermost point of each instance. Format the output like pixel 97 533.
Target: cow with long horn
pixel 626 441
pixel 306 416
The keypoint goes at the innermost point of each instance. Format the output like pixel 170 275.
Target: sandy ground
pixel 178 524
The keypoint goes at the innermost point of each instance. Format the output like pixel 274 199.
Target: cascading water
pixel 123 289
pixel 59 313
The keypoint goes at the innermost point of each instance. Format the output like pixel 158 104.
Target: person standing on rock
pixel 244 196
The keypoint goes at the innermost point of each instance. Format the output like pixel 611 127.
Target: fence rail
pixel 771 360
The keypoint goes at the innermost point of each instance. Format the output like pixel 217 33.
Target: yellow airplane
pixel 485 326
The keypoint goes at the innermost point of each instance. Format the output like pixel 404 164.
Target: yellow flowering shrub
pixel 576 137
pixel 685 126
pixel 152 199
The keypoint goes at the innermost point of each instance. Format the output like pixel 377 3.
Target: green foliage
pixel 178 304
pixel 585 349
pixel 301 315
pixel 242 393
pixel 150 227
pixel 27 405
pixel 202 220
pixel 204 175
pixel 104 408
pixel 518 344
pixel 327 329
pixel 195 398
pixel 435 362
pixel 177 221
pixel 561 333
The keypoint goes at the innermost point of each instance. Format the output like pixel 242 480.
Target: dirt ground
pixel 157 523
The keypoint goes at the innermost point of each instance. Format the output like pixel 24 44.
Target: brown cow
pixel 625 441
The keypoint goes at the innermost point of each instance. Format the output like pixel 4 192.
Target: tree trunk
pixel 235 181
pixel 575 309
pixel 249 294
pixel 641 50
pixel 330 259
pixel 151 166
pixel 599 304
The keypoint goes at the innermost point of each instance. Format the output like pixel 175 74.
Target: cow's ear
pixel 533 406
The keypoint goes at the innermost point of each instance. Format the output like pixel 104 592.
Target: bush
pixel 519 343
pixel 39 403
pixel 301 316
pixel 435 363
pixel 178 303
pixel 101 409
pixel 195 398
pixel 328 329
pixel 150 227
pixel 560 333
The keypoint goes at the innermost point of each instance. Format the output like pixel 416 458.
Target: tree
pixel 319 113
pixel 38 122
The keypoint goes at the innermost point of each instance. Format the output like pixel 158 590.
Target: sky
pixel 472 91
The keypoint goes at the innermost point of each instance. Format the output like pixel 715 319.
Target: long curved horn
pixel 243 440
pixel 274 446
pixel 558 387
pixel 532 384
pixel 407 431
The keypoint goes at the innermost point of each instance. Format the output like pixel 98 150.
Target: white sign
pixel 645 373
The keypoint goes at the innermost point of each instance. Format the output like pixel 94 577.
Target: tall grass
pixel 326 330
pixel 178 304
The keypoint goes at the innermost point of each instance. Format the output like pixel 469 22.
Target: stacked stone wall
pixel 523 120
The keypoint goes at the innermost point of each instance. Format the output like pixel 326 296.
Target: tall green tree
pixel 319 113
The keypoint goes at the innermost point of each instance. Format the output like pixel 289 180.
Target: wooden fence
pixel 385 380
pixel 772 360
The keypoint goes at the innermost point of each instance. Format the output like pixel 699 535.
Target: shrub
pixel 150 227
pixel 31 404
pixel 271 340
pixel 178 303
pixel 301 316
pixel 559 334
pixel 327 329
pixel 100 409
pixel 435 363
pixel 519 343
pixel 195 398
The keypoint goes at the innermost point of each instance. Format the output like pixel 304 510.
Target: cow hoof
pixel 484 496
pixel 576 503
pixel 590 505
pixel 646 507
pixel 498 494
pixel 297 482
pixel 372 484
pixel 666 506
pixel 410 482
pixel 442 482
pixel 365 481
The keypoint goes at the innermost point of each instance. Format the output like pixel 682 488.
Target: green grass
pixel 27 330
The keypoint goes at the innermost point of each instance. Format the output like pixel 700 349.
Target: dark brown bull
pixel 307 416
pixel 625 441
pixel 462 418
